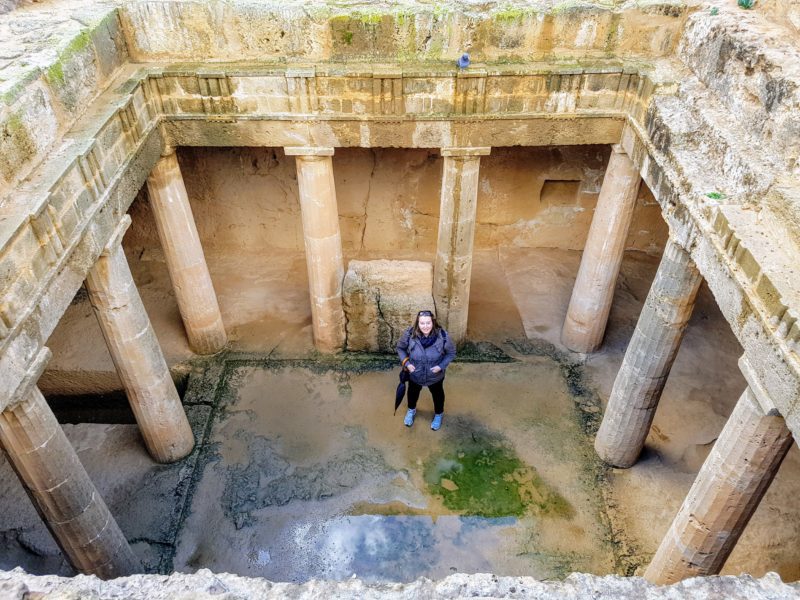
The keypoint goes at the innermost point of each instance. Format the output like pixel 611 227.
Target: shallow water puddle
pixel 310 475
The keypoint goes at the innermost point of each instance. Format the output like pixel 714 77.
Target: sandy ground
pixel 287 427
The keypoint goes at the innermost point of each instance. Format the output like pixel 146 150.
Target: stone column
pixel 452 270
pixel 648 359
pixel 726 493
pixel 58 485
pixel 323 244
pixel 188 271
pixel 593 293
pixel 137 355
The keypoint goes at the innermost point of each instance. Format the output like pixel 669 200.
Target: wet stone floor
pixel 301 471
pixel 306 473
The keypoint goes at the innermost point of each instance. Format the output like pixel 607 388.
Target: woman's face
pixel 425 324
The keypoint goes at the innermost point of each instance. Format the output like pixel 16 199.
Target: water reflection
pixel 393 548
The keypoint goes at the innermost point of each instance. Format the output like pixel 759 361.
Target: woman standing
pixel 426 350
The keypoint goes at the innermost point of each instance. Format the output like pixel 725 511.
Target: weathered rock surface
pixel 381 298
pixel 7 6
pixel 204 584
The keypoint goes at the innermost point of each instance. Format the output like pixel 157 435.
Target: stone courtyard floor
pixel 309 475
pixel 304 472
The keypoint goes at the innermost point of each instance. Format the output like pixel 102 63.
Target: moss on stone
pixel 471 352
pixel 509 14
pixel 14 125
pixel 370 18
pixel 17 145
pixel 613 32
pixel 404 18
pixel 437 47
pixel 55 73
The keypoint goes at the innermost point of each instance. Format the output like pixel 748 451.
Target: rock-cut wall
pixel 245 200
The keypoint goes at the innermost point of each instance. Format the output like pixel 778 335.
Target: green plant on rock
pixel 716 195
pixel 746 3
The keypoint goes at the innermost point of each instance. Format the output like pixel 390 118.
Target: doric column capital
pixel 683 235
pixel 466 151
pixel 31 376
pixel 759 392
pixel 308 151
pixel 167 150
pixel 115 241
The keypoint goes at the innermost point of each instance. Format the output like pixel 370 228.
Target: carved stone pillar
pixel 59 486
pixel 452 269
pixel 137 355
pixel 726 493
pixel 183 253
pixel 648 359
pixel 593 293
pixel 323 244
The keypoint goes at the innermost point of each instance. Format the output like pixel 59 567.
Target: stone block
pixel 382 298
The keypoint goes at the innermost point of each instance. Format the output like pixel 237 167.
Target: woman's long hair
pixel 417 332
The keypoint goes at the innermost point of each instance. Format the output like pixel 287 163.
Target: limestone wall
pixel 245 199
pixel 409 31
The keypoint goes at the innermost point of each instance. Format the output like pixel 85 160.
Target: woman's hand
pixel 436 369
pixel 410 368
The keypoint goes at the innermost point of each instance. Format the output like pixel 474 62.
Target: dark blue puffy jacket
pixel 441 353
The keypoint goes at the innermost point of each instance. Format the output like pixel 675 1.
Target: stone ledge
pixel 16 585
pixel 240 90
pixel 512 30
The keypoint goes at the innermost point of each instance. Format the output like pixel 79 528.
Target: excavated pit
pixel 304 473
pixel 301 474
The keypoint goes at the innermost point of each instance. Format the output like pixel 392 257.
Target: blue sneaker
pixel 437 422
pixel 409 420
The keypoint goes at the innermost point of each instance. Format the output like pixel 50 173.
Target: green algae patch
pixel 489 480
pixel 16 145
pixel 55 73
